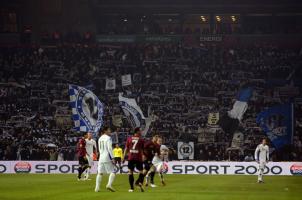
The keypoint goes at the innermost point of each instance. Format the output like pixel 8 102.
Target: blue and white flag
pixel 277 123
pixel 87 110
pixel 134 114
pixel 241 104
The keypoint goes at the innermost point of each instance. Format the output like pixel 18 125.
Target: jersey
pixel 150 148
pixel 90 144
pixel 135 146
pixel 160 157
pixel 118 152
pixel 164 151
pixel 105 149
pixel 262 153
pixel 81 148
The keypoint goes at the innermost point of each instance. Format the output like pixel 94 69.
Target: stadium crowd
pixel 180 85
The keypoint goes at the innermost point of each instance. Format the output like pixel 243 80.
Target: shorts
pixel 147 165
pixel 118 160
pixel 159 166
pixel 135 164
pixel 90 160
pixel 83 160
pixel 105 168
pixel 262 164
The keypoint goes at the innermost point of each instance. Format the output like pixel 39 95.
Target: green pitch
pixel 191 187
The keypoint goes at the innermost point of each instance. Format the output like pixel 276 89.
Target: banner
pixel 277 123
pixel 134 114
pixel 213 118
pixel 87 110
pixel 126 80
pixel 138 38
pixel 185 150
pixel 110 84
pixel 238 140
pixel 173 167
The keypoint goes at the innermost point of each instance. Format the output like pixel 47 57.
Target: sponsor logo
pixel 22 167
pixel 296 169
pixel 186 150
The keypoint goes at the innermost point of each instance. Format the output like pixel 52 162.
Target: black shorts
pixel 83 160
pixel 118 160
pixel 135 164
pixel 147 165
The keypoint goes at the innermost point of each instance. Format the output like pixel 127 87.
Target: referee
pixel 118 155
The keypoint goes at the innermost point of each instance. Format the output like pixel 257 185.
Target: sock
pixel 111 179
pixel 141 178
pixel 98 182
pixel 152 177
pixel 131 181
pixel 87 172
pixel 80 171
pixel 260 175
pixel 161 176
pixel 147 179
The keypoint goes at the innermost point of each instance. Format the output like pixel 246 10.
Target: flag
pixel 229 122
pixel 126 80
pixel 110 84
pixel 277 123
pixel 87 110
pixel 240 105
pixel 134 114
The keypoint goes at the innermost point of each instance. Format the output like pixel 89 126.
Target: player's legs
pixel 147 166
pixel 260 171
pixel 159 169
pixel 151 170
pixel 130 175
pixel 140 180
pixel 101 170
pixel 118 161
pixel 90 164
pixel 83 165
pixel 109 167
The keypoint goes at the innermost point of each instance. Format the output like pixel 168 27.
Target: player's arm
pixel 95 149
pixel 125 151
pixel 109 148
pixel 267 155
pixel 256 154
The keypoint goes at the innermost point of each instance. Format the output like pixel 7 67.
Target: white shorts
pixel 90 160
pixel 262 164
pixel 105 168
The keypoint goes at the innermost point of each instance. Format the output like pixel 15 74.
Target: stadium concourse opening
pixel 149 96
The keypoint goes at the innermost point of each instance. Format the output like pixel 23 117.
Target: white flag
pixel 126 80
pixel 110 84
pixel 134 114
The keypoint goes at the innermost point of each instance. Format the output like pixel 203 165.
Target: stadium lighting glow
pixel 218 18
pixel 233 18
pixel 203 18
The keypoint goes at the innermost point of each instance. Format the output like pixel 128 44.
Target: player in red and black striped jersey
pixel 134 148
pixel 150 149
pixel 81 151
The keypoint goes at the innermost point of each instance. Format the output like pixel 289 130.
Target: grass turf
pixel 191 187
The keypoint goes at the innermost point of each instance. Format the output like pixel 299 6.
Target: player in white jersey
pixel 90 149
pixel 262 158
pixel 106 160
pixel 158 161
